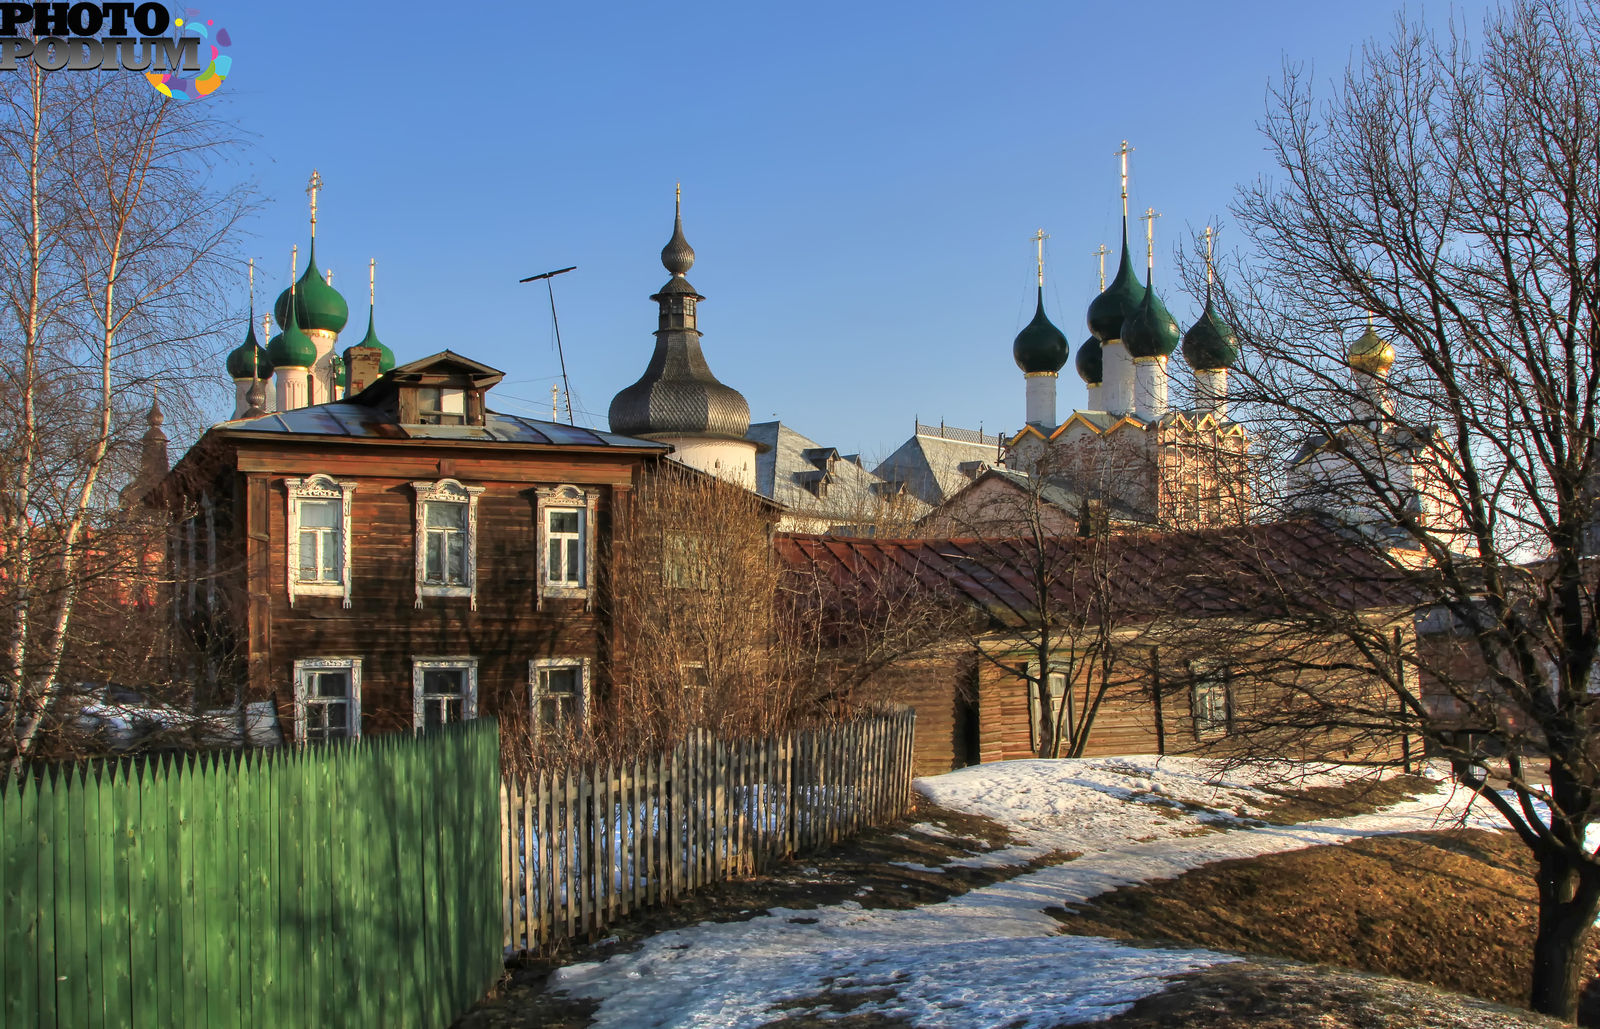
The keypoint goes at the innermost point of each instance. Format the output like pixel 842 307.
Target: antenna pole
pixel 565 382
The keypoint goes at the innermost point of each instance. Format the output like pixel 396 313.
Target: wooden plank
pixel 19 902
pixel 571 826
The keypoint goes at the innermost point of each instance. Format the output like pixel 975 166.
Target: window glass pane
pixel 332 684
pixel 444 680
pixel 563 521
pixel 308 555
pixel 320 514
pixel 458 558
pixel 433 570
pixel 445 515
pixel 336 717
pixel 557 573
pixel 574 561
pixel 330 557
pixel 560 681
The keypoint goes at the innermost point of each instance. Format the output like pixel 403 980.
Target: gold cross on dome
pixel 1149 218
pixel 1210 234
pixel 1123 153
pixel 1101 253
pixel 1039 237
pixel 312 189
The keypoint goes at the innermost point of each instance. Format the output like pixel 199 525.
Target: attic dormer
pixel 444 389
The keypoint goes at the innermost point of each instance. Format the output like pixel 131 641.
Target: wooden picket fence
pixel 585 846
pixel 348 884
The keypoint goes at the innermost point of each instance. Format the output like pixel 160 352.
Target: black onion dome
pixel 677 256
pixel 1090 362
pixel 1040 346
pixel 677 395
pixel 1210 343
pixel 1111 308
pixel 1150 330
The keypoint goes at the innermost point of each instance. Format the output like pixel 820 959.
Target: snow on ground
pixel 991 956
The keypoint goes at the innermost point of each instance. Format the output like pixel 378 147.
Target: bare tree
pixel 1448 189
pixel 110 194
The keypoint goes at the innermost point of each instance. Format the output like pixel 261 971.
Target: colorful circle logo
pixel 192 85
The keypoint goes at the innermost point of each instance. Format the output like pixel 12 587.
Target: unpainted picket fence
pixel 583 847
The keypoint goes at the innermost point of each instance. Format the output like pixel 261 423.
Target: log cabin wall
pixel 509 623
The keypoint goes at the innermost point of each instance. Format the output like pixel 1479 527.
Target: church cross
pixel 1123 153
pixel 1039 237
pixel 1149 218
pixel 1101 253
pixel 312 189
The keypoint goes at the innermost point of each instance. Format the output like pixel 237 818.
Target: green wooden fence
pixel 353 884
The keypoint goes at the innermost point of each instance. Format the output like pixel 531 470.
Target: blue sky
pixel 860 180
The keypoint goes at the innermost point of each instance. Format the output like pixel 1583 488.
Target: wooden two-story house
pixel 403 557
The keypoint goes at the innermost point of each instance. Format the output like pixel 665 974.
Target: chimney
pixel 361 364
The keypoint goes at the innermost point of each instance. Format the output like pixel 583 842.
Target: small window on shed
pixel 440 405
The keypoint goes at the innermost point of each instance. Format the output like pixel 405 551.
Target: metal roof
pixel 1249 572
pixel 359 421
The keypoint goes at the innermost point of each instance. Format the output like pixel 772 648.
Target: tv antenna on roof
pixel 547 276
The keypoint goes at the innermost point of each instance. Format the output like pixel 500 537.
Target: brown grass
pixel 1452 909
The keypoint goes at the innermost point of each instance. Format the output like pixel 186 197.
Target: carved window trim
pixel 469 687
pixel 318 487
pixel 447 491
pixel 303 666
pixel 567 498
pixel 540 665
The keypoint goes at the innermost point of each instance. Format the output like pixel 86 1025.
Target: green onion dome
pixel 1040 346
pixel 317 304
pixel 1371 353
pixel 292 348
pixel 249 359
pixel 386 361
pixel 1150 330
pixel 1089 362
pixel 1111 308
pixel 1210 343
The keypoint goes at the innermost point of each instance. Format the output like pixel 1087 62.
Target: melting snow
pixel 991 956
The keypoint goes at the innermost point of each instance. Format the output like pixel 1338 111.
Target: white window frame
pixel 1211 679
pixel 580 719
pixel 685 560
pixel 318 487
pixel 567 498
pixel 469 694
pixel 326 664
pixel 447 491
pixel 1035 711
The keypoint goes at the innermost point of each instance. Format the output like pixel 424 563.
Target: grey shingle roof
pixel 363 422
pixel 931 466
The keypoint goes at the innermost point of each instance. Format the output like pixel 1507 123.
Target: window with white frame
pixel 566 541
pixel 327 699
pixel 559 689
pixel 443 690
pixel 685 560
pixel 447 539
pixel 1211 701
pixel 564 536
pixel 319 537
pixel 1039 725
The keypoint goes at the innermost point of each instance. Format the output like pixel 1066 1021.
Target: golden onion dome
pixel 1371 353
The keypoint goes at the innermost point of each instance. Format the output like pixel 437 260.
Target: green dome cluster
pixel 318 306
pixel 1090 362
pixel 386 361
pixel 249 359
pixel 1111 308
pixel 292 348
pixel 1150 330
pixel 1210 343
pixel 1040 346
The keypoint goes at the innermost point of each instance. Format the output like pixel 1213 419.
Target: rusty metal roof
pixel 1256 572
